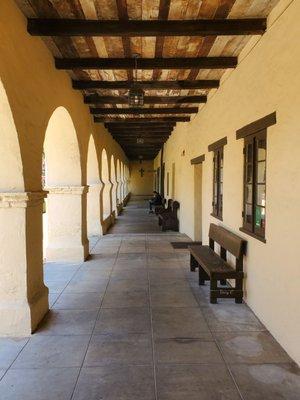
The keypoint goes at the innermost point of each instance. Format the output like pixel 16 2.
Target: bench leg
pixel 213 286
pixel 202 276
pixel 193 263
pixel 223 282
pixel 239 286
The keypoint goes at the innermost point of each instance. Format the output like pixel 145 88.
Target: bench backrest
pixel 175 207
pixel 227 240
pixel 169 204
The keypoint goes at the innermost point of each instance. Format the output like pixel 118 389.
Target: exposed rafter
pixel 142 111
pixel 133 28
pixel 96 99
pixel 140 119
pixel 146 85
pixel 146 63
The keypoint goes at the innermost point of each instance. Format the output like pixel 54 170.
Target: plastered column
pixel 23 295
pixel 94 209
pixel 67 236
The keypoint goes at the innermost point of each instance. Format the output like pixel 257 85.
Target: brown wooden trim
pixel 198 160
pixel 97 99
pixel 261 239
pixel 141 28
pixel 219 143
pixel 141 111
pixel 147 85
pixel 216 216
pixel 140 120
pixel 146 63
pixel 256 126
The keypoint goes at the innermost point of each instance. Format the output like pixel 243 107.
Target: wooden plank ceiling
pixel 184 46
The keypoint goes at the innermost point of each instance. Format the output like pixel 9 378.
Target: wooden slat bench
pixel 215 268
pixel 168 220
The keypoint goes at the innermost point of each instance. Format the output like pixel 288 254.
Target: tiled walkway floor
pixel 132 324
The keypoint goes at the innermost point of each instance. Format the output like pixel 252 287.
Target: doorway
pixel 198 202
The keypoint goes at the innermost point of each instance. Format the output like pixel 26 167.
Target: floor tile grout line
pixel 91 336
pixel 151 325
pixel 219 348
pixel 14 360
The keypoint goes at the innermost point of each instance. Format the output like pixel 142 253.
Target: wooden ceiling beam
pixel 142 28
pixel 146 63
pixel 143 111
pixel 145 85
pixel 96 99
pixel 140 120
pixel 132 125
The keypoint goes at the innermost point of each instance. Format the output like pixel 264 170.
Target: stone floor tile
pixel 133 349
pixel 172 298
pixel 130 273
pixel 162 274
pixel 129 257
pixel 68 322
pixel 56 287
pixel 187 350
pixel 268 381
pixel 251 347
pixel 52 352
pixel 93 274
pixel 130 264
pixel 122 285
pixel 172 322
pixel 57 271
pixel 78 301
pixel 195 382
pixel 52 298
pixel 231 317
pixel 169 284
pixel 116 383
pixel 38 384
pixel 87 286
pixel 9 349
pixel 123 320
pixel 138 298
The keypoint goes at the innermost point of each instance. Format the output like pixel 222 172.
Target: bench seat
pixel 215 268
pixel 212 263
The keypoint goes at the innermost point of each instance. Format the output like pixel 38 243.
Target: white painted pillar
pixel 23 295
pixel 94 209
pixel 67 228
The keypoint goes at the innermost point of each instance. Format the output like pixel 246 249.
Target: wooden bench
pixel 161 207
pixel 215 267
pixel 165 210
pixel 168 220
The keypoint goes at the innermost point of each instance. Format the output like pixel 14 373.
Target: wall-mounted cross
pixel 142 171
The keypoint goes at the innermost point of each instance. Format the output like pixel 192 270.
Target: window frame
pixel 250 227
pixel 218 166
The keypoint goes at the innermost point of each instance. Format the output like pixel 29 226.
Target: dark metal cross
pixel 142 172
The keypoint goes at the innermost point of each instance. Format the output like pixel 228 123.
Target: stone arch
pixel 118 175
pixel 94 227
pixel 122 180
pixel 11 167
pixel 23 295
pixel 62 150
pixel 113 180
pixel 66 201
pixel 106 208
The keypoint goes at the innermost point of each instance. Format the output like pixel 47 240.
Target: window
pixel 254 208
pixel 218 183
pixel 168 183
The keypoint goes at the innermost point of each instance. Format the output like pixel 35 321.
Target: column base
pixel 21 318
pixel 66 254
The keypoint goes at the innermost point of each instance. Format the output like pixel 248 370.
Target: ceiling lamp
pixel 136 94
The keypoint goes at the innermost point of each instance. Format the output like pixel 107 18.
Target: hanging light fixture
pixel 136 94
